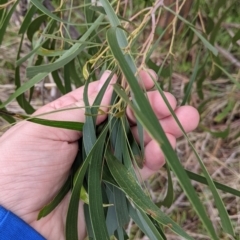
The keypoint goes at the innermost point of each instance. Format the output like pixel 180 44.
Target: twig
pixel 233 25
pixel 228 56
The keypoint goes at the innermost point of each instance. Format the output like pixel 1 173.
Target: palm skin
pixel 36 160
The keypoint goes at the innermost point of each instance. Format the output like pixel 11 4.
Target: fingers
pixel 74 99
pixel 188 117
pixel 156 101
pixel 158 105
pixel 154 157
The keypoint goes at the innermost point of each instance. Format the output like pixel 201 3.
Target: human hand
pixel 36 160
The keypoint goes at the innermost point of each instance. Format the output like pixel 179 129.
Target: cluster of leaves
pixel 103 173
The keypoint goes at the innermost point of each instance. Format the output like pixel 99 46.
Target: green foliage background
pixel 196 58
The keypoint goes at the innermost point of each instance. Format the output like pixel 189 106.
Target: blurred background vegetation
pixel 185 67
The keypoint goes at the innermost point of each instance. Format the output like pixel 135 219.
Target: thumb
pixel 73 107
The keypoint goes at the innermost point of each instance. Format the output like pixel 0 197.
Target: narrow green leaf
pixel 27 20
pixel 34 26
pixel 95 196
pixel 193 176
pixel 68 56
pixel 58 81
pixel 94 173
pixel 191 81
pixel 74 74
pixel 144 223
pixel 89 134
pixel 225 220
pixel 28 55
pixel 57 199
pixel 219 134
pixel 201 78
pixel 3 11
pixel 24 88
pixel 47 12
pixel 121 35
pixel 67 78
pixel 223 114
pixel 131 187
pixel 89 13
pixel 201 179
pixel 102 10
pixel 77 126
pixel 6 117
pixel 117 138
pixel 111 218
pixel 215 72
pixel 98 9
pixel 206 43
pixel 100 95
pixel 170 157
pixel 120 234
pixel 147 117
pixel 121 209
pixel 168 200
pixel 9 119
pixel 142 145
pixel 199 86
pixel 162 71
pixel 122 41
pixel 72 215
pixel 68 40
pixel 229 75
pixel 88 222
pixel 49 28
pixel 21 98
pixel 112 16
pixel 5 22
pixel 130 148
pixel 50 53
